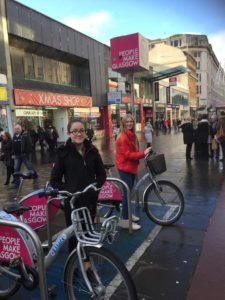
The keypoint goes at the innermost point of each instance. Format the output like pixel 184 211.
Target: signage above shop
pixel 114 97
pixel 129 53
pixel 29 113
pixel 40 98
pixel 173 81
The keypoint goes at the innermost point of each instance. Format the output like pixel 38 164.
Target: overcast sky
pixel 103 20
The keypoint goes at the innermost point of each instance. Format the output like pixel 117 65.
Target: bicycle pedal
pixel 51 289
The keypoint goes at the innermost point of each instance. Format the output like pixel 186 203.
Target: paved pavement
pixel 181 262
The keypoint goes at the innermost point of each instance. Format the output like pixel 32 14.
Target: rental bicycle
pixel 163 201
pixel 106 276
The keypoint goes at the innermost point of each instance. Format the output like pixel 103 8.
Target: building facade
pixel 208 93
pixel 52 72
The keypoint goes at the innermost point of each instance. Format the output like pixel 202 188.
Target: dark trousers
pixel 188 150
pixel 9 172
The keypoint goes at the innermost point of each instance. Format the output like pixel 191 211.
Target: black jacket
pixel 25 143
pixel 188 132
pixel 72 172
pixel 7 150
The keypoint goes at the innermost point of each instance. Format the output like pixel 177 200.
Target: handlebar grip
pixel 52 193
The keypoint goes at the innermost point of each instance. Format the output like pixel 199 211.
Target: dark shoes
pixel 189 158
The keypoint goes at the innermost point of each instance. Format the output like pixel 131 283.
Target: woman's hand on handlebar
pixel 148 151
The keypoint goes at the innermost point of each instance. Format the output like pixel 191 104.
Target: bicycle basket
pixel 157 163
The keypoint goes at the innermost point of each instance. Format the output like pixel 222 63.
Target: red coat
pixel 127 155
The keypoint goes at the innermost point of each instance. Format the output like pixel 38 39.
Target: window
pixel 38 67
pixel 48 69
pixel 176 43
pixel 28 66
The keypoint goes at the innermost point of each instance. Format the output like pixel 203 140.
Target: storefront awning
pixel 165 74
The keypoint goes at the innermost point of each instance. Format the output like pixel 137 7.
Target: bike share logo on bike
pixel 37 217
pixel 109 191
pixel 15 243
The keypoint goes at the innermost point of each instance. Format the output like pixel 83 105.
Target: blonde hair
pixel 123 123
pixel 123 126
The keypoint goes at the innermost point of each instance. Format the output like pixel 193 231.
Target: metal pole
pixel 132 96
pixel 40 255
pixel 113 179
pixel 9 107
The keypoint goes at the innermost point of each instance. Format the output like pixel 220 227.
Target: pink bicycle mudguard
pixel 37 217
pixel 109 191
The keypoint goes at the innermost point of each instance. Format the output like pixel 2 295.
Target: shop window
pixel 84 79
pixel 55 71
pixel 17 62
pixel 65 75
pixel 38 67
pixel 28 65
pixel 48 69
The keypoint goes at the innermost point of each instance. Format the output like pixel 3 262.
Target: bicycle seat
pixel 108 166
pixel 24 176
pixel 16 208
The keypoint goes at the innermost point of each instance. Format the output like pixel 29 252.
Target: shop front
pixel 117 111
pixel 41 108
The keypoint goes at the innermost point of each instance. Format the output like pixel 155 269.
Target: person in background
pixel 202 134
pixel 148 130
pixel 34 137
pixel 8 160
pixel 188 136
pixel 21 150
pixel 41 138
pixel 51 138
pixel 78 164
pixel 221 135
pixel 214 146
pixel 90 133
pixel 127 160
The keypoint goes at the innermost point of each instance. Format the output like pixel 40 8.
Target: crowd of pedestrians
pixel 207 135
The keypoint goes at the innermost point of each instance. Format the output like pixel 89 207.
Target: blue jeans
pixel 26 159
pixel 128 178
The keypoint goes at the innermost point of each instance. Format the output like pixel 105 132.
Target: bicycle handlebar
pixel 56 192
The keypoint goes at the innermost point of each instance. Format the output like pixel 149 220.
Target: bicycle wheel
pixel 163 202
pixel 114 279
pixel 8 284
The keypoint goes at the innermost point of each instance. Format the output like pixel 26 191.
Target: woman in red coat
pixel 127 160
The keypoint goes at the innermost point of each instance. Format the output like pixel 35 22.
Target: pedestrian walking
pixel 21 150
pixel 78 164
pixel 6 151
pixel 148 130
pixel 127 160
pixel 188 136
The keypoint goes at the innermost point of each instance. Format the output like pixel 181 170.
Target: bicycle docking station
pixel 39 250
pixel 121 182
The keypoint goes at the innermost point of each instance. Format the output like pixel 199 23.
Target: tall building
pixel 208 93
pixel 50 72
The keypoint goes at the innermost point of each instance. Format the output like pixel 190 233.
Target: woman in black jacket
pixel 7 151
pixel 78 164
